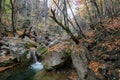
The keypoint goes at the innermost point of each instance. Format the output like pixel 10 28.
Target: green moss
pixel 29 45
pixel 41 50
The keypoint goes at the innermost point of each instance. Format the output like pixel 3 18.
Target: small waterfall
pixel 34 56
pixel 37 65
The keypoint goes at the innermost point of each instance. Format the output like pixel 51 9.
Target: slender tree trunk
pixel 87 8
pixel 12 18
pixel 72 36
pixel 0 10
pixel 98 12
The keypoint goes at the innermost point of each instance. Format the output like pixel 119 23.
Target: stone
pixel 7 61
pixel 54 59
pixel 41 50
pixel 16 48
pixel 56 56
pixel 80 58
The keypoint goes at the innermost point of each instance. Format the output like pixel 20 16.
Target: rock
pixel 7 61
pixel 56 55
pixel 30 43
pixel 40 39
pixel 54 59
pixel 54 42
pixel 16 47
pixel 80 59
pixel 3 52
pixel 117 64
pixel 41 50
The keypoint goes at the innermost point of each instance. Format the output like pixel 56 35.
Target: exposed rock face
pixel 54 59
pixel 13 49
pixel 7 61
pixel 80 58
pixel 56 55
pixel 17 48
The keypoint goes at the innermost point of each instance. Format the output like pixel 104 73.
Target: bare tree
pixel 66 28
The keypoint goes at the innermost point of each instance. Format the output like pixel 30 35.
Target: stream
pixel 22 72
pixel 33 71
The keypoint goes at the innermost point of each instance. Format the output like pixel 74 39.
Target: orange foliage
pixel 5 58
pixel 95 66
pixel 112 23
pixel 60 46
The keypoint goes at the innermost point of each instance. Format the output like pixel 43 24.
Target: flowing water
pixel 31 72
pixel 37 65
pixel 22 72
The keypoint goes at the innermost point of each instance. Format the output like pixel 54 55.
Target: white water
pixel 37 65
pixel 34 56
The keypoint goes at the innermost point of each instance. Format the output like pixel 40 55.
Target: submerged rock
pixel 52 75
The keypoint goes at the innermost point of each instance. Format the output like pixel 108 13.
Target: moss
pixel 41 50
pixel 29 45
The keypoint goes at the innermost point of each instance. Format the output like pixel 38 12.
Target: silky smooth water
pixel 36 66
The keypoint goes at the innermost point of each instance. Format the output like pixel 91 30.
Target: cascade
pixel 36 65
pixel 34 56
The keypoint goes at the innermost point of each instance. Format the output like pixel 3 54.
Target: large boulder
pixel 80 58
pixel 57 55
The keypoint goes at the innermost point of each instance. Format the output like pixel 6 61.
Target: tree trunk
pixel 12 18
pixel 72 36
pixel 0 10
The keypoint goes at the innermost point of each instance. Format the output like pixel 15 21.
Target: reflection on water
pixel 22 75
pixel 21 72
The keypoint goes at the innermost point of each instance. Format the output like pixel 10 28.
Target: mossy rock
pixel 29 45
pixel 41 50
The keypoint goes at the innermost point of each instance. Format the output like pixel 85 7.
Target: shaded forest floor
pixel 105 50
